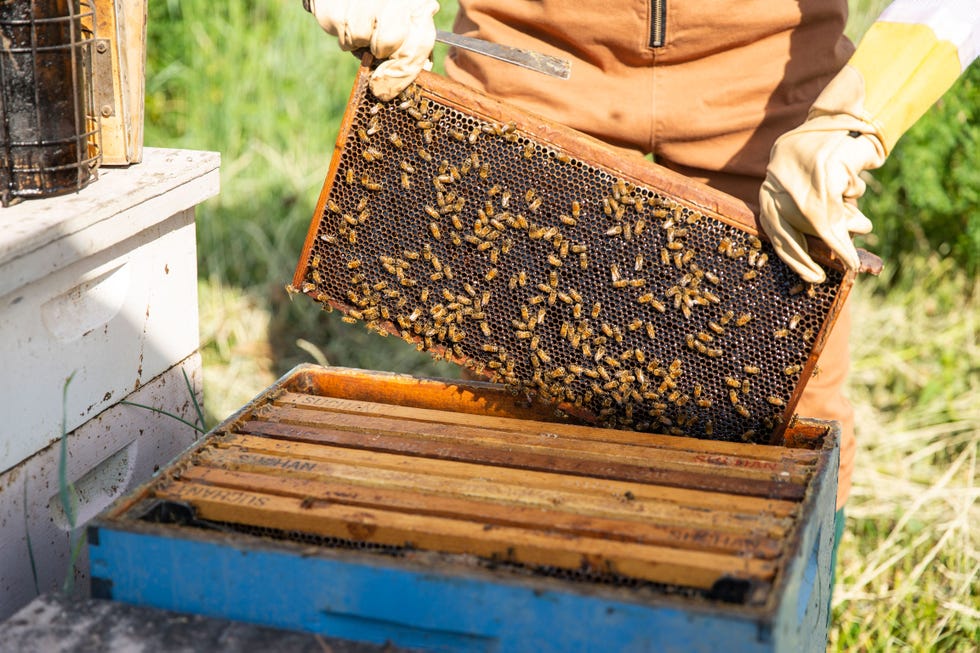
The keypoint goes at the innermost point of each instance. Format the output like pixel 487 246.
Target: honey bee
pixel 732 383
pixel 371 154
pixel 775 401
pixel 424 154
pixel 751 369
pixel 651 331
pixel 781 333
pixel 790 370
pixel 743 319
pixel 794 321
pixel 596 309
pixel 484 171
pixel 743 411
pixel 349 176
pixel 434 230
pixel 749 275
pixel 583 261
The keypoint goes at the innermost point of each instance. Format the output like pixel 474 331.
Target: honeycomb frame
pixel 626 294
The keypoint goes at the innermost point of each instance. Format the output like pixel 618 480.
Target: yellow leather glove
pixel 400 31
pixel 906 61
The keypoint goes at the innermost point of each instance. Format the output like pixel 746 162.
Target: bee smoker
pixel 49 135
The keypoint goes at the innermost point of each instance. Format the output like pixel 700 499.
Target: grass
pixel 910 560
pixel 262 84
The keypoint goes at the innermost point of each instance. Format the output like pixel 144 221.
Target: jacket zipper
pixel 658 23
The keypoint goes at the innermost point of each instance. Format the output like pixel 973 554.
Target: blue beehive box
pixel 453 516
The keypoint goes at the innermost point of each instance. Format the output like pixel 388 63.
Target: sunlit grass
pixel 910 562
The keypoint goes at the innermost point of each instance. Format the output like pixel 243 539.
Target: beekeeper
pixel 766 100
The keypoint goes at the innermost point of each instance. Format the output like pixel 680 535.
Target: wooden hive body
pixel 456 516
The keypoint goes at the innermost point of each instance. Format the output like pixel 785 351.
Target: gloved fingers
pixel 789 242
pixel 393 76
pixel 352 28
pixel 795 253
pixel 394 27
pixel 857 222
pixel 838 238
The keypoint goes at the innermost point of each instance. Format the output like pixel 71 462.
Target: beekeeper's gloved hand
pixel 400 31
pixel 906 61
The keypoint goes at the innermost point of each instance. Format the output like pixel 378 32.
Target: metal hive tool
pixel 627 294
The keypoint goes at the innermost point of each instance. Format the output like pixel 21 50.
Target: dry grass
pixel 910 560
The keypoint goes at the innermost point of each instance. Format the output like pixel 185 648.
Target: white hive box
pixel 101 285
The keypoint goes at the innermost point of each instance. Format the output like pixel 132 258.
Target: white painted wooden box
pixel 101 285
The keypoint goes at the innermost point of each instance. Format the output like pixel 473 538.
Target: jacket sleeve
pixel 909 58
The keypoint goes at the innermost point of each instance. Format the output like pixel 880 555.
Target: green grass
pixel 263 85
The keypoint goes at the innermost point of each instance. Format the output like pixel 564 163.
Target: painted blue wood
pixel 378 600
pixel 375 598
pixel 803 614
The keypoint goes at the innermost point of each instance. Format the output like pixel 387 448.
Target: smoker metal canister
pixel 48 134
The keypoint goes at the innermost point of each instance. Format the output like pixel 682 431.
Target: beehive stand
pixel 457 517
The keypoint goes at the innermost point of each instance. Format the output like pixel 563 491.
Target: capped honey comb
pixel 535 256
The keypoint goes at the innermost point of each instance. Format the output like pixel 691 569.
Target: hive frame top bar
pixel 700 198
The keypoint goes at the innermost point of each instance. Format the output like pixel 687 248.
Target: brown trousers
pixel 706 90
